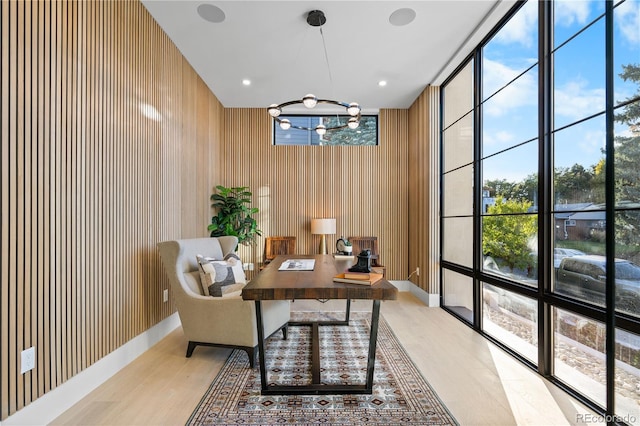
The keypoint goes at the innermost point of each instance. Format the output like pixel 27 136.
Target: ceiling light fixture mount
pixel 316 18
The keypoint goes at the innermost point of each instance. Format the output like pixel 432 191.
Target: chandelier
pixel 316 18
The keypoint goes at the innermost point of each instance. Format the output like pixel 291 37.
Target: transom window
pixel 365 134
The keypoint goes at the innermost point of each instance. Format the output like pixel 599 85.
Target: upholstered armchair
pixel 215 321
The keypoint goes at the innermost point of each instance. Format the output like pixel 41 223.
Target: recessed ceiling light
pixel 402 17
pixel 246 82
pixel 382 83
pixel 211 13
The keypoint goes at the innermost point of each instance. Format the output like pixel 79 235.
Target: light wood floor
pixel 479 383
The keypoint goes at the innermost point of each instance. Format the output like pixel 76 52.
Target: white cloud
pixel 522 27
pixel 523 91
pixel 503 136
pixel 500 138
pixel 574 100
pixel 495 75
pixel 584 147
pixel 568 13
pixel 593 141
pixel 627 17
pixel 623 130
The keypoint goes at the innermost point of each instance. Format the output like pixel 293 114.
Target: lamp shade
pixel 323 226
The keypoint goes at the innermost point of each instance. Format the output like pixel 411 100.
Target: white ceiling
pixel 271 44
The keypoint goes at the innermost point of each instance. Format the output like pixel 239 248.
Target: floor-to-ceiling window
pixel 457 185
pixel 541 195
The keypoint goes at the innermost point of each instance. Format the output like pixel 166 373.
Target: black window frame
pixel 313 135
pixel 547 299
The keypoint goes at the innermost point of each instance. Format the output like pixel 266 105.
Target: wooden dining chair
pixel 371 243
pixel 275 246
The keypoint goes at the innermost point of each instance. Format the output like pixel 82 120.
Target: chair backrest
pixel 363 243
pixel 275 246
pixel 179 260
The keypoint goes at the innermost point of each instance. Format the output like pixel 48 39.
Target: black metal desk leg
pixel 263 369
pixel 373 339
pixel 346 319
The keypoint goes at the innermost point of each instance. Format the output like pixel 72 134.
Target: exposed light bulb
pixel 274 111
pixel 353 109
pixel 285 124
pixel 310 100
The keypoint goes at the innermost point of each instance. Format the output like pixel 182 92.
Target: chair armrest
pixel 229 320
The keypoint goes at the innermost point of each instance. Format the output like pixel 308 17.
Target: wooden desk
pixel 271 284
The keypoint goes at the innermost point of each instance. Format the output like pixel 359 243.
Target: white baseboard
pixel 429 299
pixel 402 285
pixel 434 300
pixel 52 404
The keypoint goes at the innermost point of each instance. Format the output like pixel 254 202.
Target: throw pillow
pixel 220 278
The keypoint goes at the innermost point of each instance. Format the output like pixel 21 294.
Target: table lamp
pixel 322 227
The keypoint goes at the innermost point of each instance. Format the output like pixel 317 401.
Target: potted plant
pixel 234 215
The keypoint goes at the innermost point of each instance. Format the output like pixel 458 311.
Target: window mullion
pixel 610 213
pixel 545 184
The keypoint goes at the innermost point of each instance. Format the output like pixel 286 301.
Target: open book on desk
pixel 297 265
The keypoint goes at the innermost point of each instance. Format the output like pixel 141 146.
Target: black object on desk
pixel 364 262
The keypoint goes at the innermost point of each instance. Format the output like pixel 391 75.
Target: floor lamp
pixel 322 227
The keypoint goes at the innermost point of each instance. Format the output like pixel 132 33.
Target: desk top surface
pixel 272 284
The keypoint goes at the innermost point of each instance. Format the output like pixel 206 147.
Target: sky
pixel 510 117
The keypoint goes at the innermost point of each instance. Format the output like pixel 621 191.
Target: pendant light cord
pixel 316 18
pixel 326 58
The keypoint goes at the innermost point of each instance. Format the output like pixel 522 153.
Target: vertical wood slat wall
pixel 363 187
pixel 424 193
pixel 109 144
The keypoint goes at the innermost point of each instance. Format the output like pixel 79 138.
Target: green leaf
pixel 233 215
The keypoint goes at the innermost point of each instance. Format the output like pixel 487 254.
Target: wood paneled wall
pixel 363 187
pixel 110 143
pixel 424 194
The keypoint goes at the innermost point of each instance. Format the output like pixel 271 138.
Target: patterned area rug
pixel 401 396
